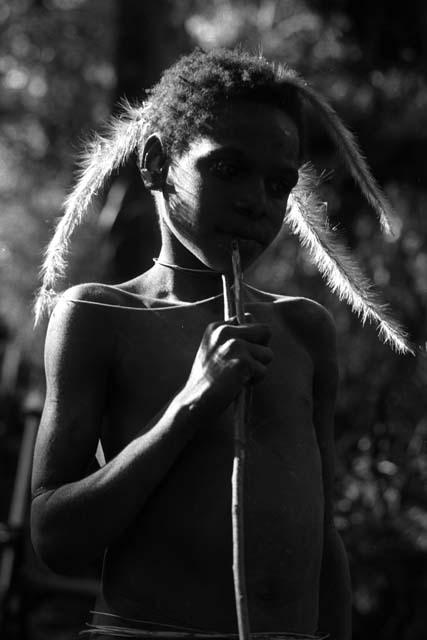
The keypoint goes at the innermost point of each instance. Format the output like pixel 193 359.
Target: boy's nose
pixel 252 201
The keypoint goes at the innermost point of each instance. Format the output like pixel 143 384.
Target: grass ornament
pixel 307 219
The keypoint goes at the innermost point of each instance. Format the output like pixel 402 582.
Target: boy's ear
pixel 154 163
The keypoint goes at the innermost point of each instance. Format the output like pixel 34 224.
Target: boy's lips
pixel 250 248
pixel 246 237
pixel 249 243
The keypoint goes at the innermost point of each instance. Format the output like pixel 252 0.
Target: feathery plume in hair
pixel 346 144
pixel 104 154
pixel 306 218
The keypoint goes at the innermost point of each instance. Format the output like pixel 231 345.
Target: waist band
pixel 119 627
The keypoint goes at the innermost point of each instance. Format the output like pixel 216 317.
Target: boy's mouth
pixel 246 237
pixel 250 247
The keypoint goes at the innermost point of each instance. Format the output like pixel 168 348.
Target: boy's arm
pixel 76 514
pixel 334 589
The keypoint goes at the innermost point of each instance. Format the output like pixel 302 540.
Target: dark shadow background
pixel 63 65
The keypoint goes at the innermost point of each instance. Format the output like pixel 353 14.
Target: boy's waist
pixel 106 624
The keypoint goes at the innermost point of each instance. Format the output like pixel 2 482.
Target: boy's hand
pixel 229 357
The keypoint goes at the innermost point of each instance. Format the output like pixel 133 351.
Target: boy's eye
pixel 281 187
pixel 224 169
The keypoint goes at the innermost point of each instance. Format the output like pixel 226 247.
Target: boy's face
pixel 233 183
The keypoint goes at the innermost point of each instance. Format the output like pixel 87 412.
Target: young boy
pixel 151 369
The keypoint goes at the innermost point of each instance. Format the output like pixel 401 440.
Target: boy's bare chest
pixel 155 351
pixel 154 354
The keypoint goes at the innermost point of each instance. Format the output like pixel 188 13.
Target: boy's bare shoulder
pixel 311 321
pixel 103 295
pixel 84 315
pixel 305 310
pixel 92 302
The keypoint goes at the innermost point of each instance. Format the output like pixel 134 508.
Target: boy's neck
pixel 178 282
pixel 179 275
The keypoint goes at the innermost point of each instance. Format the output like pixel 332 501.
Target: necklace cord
pixel 177 267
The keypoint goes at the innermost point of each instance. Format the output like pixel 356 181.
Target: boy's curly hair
pixel 190 94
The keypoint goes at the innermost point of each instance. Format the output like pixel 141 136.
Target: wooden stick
pixel 228 303
pixel 237 481
pixel 237 273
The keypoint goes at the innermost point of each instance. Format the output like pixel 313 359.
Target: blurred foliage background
pixel 64 64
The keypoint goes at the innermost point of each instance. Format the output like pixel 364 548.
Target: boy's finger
pixel 261 353
pixel 256 332
pixel 249 318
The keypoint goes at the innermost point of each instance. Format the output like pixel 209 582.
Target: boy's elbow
pixel 48 539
